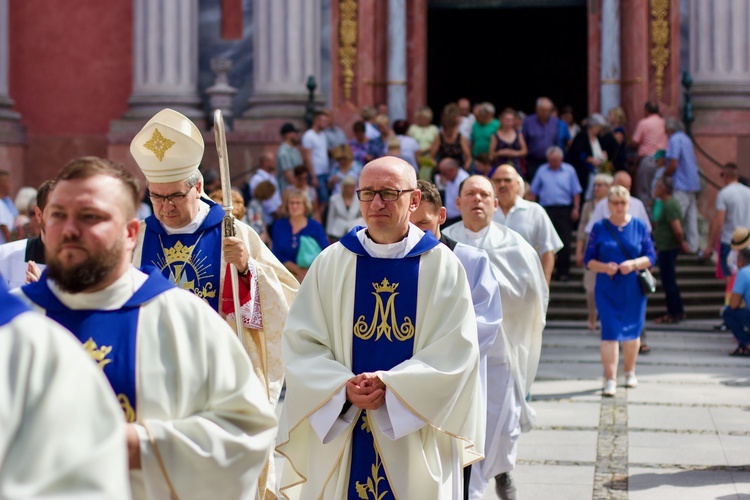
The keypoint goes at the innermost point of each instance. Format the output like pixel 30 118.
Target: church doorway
pixel 508 53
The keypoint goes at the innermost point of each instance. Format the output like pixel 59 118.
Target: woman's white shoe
pixel 630 380
pixel 610 387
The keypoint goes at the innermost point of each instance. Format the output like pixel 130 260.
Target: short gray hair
pixel 618 192
pixel 672 124
pixel 488 108
pixel 555 150
pixel 194 179
pixel 605 178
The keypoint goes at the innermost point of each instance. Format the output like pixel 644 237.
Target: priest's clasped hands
pixel 365 391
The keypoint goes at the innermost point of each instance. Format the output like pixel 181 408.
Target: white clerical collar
pixel 396 250
pixel 194 224
pixel 109 299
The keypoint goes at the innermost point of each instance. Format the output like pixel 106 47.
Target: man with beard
pixel 510 371
pixel 198 419
pixel 61 432
pixel 22 261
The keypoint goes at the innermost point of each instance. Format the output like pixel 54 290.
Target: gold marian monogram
pixel 384 321
pixel 99 354
pixel 158 144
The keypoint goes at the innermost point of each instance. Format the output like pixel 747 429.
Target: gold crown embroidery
pixel 98 354
pixel 384 321
pixel 178 253
pixel 158 144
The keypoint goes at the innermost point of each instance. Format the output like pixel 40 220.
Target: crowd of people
pixel 356 262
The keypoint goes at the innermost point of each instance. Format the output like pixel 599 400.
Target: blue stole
pixel 385 312
pixel 108 336
pixel 10 306
pixel 190 261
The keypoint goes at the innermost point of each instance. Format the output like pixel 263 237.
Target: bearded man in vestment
pixel 199 424
pixel 383 391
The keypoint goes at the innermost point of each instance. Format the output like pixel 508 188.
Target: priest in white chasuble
pixel 199 421
pixel 383 393
pixel 513 360
pixel 62 434
pixel 183 239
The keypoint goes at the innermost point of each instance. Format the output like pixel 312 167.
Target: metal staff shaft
pixel 226 195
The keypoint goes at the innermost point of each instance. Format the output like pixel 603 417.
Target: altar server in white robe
pixel 383 390
pixel 199 422
pixel 511 363
pixel 62 433
pixel 485 292
pixel 184 240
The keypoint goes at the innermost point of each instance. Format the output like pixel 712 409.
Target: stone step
pixel 702 311
pixel 693 297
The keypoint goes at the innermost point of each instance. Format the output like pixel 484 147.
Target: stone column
pixel 396 59
pixel 6 103
pixel 286 37
pixel 720 54
pixel 610 56
pixel 165 58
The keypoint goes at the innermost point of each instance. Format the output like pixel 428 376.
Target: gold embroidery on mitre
pixel 98 354
pixel 127 408
pixel 158 144
pixel 384 320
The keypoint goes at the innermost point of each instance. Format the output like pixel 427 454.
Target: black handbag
pixel 645 278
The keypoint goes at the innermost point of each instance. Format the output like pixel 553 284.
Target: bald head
pixel 623 179
pixel 397 167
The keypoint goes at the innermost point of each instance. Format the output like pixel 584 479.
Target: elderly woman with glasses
pixel 618 248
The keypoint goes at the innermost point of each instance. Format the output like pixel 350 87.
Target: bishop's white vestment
pixel 512 363
pixel 62 433
pixel 205 425
pixel 404 312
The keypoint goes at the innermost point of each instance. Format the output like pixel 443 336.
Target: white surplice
pixel 196 393
pixel 512 363
pixel 62 433
pixel 431 424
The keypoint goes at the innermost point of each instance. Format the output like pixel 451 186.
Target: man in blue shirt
pixel 557 189
pixel 540 131
pixel 736 315
pixel 683 167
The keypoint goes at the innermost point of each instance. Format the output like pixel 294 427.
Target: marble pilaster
pixel 396 59
pixel 165 58
pixel 6 103
pixel 610 55
pixel 720 53
pixel 287 43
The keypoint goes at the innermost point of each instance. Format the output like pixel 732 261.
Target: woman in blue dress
pixel 619 299
pixel 287 233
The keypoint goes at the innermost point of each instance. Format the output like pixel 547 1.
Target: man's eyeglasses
pixel 385 194
pixel 173 199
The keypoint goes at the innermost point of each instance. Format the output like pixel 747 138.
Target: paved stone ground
pixel 684 433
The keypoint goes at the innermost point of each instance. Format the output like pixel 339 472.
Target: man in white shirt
pixel 732 211
pixel 315 155
pixel 267 172
pixel 452 176
pixel 527 218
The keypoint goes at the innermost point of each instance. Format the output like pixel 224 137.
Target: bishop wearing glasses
pixel 380 346
pixel 183 239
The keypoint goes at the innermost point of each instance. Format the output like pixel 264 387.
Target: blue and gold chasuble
pixel 190 261
pixel 108 336
pixel 385 309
